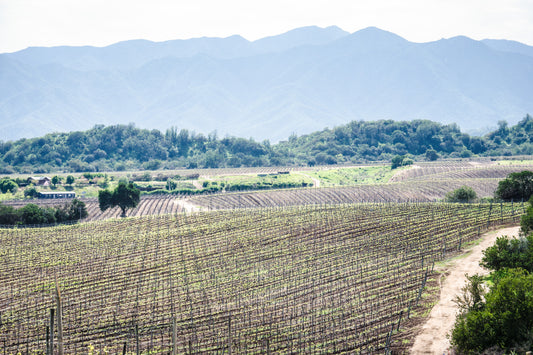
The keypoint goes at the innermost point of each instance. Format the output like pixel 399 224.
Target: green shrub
pixel 509 253
pixel 464 194
pixel 517 187
pixel 505 321
pixel 526 222
pixel 8 185
pixel 171 185
pixel 8 215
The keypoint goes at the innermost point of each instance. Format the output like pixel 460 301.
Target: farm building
pixel 40 180
pixel 53 194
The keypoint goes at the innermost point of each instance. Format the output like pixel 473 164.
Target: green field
pixel 353 175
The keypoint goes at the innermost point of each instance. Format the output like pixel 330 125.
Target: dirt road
pixel 187 205
pixel 432 339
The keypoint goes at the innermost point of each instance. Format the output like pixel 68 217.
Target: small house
pixel 40 180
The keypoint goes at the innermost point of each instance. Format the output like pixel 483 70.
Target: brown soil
pixel 432 339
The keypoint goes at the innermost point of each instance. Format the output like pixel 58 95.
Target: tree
pixel 431 155
pixel 31 192
pixel 397 161
pixel 464 194
pixel 509 253
pixel 8 185
pixel 75 210
pixel 55 180
pixel 517 187
pixel 125 196
pixel 32 214
pixel 8 215
pixel 70 180
pixel 171 185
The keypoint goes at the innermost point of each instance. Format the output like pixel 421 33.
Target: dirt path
pixel 187 205
pixel 316 182
pixel 432 338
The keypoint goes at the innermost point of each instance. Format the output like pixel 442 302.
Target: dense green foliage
pixel 504 320
pixel 8 185
pixel 464 194
pixel 517 187
pixel 526 222
pixel 124 147
pixel 125 196
pixel 400 160
pixel 33 214
pixel 509 253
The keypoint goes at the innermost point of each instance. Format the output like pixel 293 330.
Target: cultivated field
pixel 315 279
pixel 422 182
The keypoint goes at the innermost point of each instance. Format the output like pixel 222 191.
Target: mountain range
pixel 297 82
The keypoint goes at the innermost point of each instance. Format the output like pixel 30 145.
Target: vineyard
pixel 424 191
pixel 423 182
pixel 314 279
pixel 459 170
pixel 149 205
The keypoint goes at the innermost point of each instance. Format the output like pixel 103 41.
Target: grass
pixel 263 179
pixel 353 176
pixel 515 162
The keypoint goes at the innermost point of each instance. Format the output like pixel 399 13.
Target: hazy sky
pixel 25 23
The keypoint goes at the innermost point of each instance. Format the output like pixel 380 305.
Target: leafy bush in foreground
pixel 504 321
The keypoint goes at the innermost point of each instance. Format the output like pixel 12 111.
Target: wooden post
pixel 174 337
pixel 47 341
pixel 59 320
pixel 51 350
pixel 137 339
pixel 399 320
pixel 229 335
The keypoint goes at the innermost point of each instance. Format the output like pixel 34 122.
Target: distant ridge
pixel 297 82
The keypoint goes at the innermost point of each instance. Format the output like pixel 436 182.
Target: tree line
pixel 34 214
pixel 125 147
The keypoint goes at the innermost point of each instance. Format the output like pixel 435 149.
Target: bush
pixel 505 320
pixel 8 215
pixel 152 164
pixel 463 194
pixel 509 253
pixel 526 222
pixel 171 185
pixel 31 192
pixel 397 161
pixel 431 155
pixel 8 185
pixel 71 211
pixel 517 187
pixel 32 214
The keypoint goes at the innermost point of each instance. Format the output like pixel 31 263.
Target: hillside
pixel 122 147
pixel 297 82
pixel 328 279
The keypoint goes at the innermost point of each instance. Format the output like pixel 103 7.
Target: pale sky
pixel 25 23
